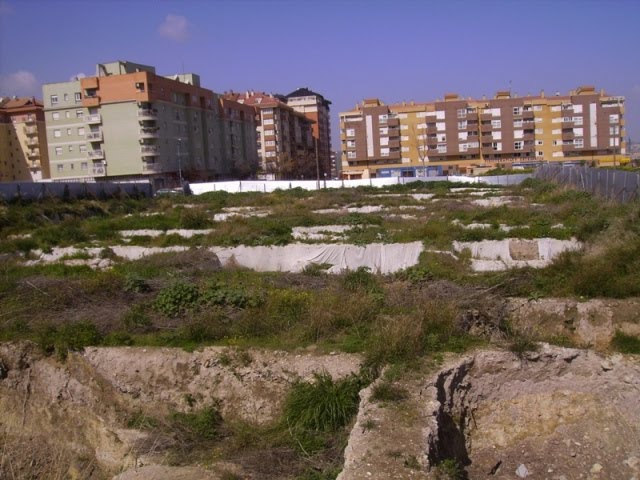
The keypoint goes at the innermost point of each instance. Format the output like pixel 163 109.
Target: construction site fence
pixel 272 185
pixel 73 190
pixel 617 185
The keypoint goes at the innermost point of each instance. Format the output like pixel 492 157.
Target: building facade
pixel 23 140
pixel 285 137
pixel 129 123
pixel 456 135
pixel 316 108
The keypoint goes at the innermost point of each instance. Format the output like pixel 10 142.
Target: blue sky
pixel 346 50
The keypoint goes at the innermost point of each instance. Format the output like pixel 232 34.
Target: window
pixel 60 167
pixel 268 133
pixel 421 114
pixel 54 99
pixel 81 131
pixel 270 143
pixel 540 154
pixel 66 97
pixel 270 154
pixel 518 133
pixel 497 146
pixel 57 133
pixel 517 123
pixel 402 115
pixel 68 131
pixel 441 137
pixel 462 125
pixel 440 115
pixel 539 131
pixel 79 113
pixel 442 148
pixel 537 108
pixel 58 150
pixel 496 124
pixel 268 111
pixel 82 148
pixel 55 116
pixel 351 154
pixel 77 97
pixel 440 126
pixel 577 109
pixel 613 141
pixel 517 110
pixel 614 130
pixel 462 112
pixel 462 135
pixel 404 138
pixel 351 132
pixel 463 147
pixel 70 148
pixel 577 120
pixel 383 118
pixel 497 135
pixel 539 142
pixel 384 130
pixel 268 121
pixel 557 142
pixel 614 118
pixel 404 149
pixel 384 141
pixel 578 143
pixel 384 152
pixel 517 145
pixel 351 144
pixel 578 132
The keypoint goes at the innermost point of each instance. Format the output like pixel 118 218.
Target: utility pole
pixel 315 142
pixel 179 162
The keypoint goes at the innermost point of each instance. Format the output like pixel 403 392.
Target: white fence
pixel 271 185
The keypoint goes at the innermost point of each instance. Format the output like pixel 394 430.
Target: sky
pixel 345 50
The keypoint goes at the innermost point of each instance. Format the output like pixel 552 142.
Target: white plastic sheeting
pixel 323 232
pixel 363 209
pixel 245 212
pixel 495 201
pixel 156 233
pixel 124 251
pixel 495 255
pixel 379 257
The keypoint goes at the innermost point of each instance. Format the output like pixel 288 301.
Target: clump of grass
pixel 624 343
pixel 69 337
pixel 449 469
pixel 322 405
pixel 204 424
pixel 522 343
pixel 388 392
pixel 360 279
pixel 176 298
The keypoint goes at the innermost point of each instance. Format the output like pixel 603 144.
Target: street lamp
pixel 179 162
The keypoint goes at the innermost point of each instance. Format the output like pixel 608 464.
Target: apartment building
pixel 239 141
pixel 23 140
pixel 128 123
pixel 285 138
pixel 316 108
pixel 454 134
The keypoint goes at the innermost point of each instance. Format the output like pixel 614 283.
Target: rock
pixel 596 468
pixel 632 462
pixel 606 365
pixel 522 471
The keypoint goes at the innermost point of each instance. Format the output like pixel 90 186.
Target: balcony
pixel 393 122
pixel 527 115
pixel 394 143
pixel 33 155
pixel 32 142
pixel 99 169
pixel 569 135
pixel 148 114
pixel 147 132
pixel 95 154
pixel 149 150
pixel 94 136
pixel 91 101
pixel 30 131
pixel 30 120
pixel 95 118
pixel 151 167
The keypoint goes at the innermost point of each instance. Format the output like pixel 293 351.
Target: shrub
pixel 360 279
pixel 388 392
pixel 625 343
pixel 133 283
pixel 69 337
pixel 322 405
pixel 136 319
pixel 204 424
pixel 194 219
pixel 449 469
pixel 218 293
pixel 176 298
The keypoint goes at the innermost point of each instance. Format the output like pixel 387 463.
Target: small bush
pixel 449 469
pixel 69 337
pixel 322 405
pixel 177 298
pixel 136 319
pixel 360 279
pixel 220 294
pixel 625 343
pixel 388 392
pixel 194 219
pixel 133 283
pixel 521 344
pixel 205 424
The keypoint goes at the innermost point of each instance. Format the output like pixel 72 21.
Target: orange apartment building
pixel 128 123
pixel 23 140
pixel 455 134
pixel 285 137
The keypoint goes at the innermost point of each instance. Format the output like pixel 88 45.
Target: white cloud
pixel 77 76
pixel 20 83
pixel 174 27
pixel 5 8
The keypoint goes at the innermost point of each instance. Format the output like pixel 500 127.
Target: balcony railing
pixel 94 136
pixel 151 167
pixel 148 113
pixel 149 150
pixel 30 120
pixel 99 169
pixel 32 142
pixel 30 131
pixel 95 154
pixel 149 132
pixel 95 118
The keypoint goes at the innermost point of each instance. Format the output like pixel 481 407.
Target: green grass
pixel 624 343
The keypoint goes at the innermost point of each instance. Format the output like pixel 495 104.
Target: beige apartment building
pixel 128 123
pixel 316 108
pixel 285 137
pixel 457 135
pixel 23 140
